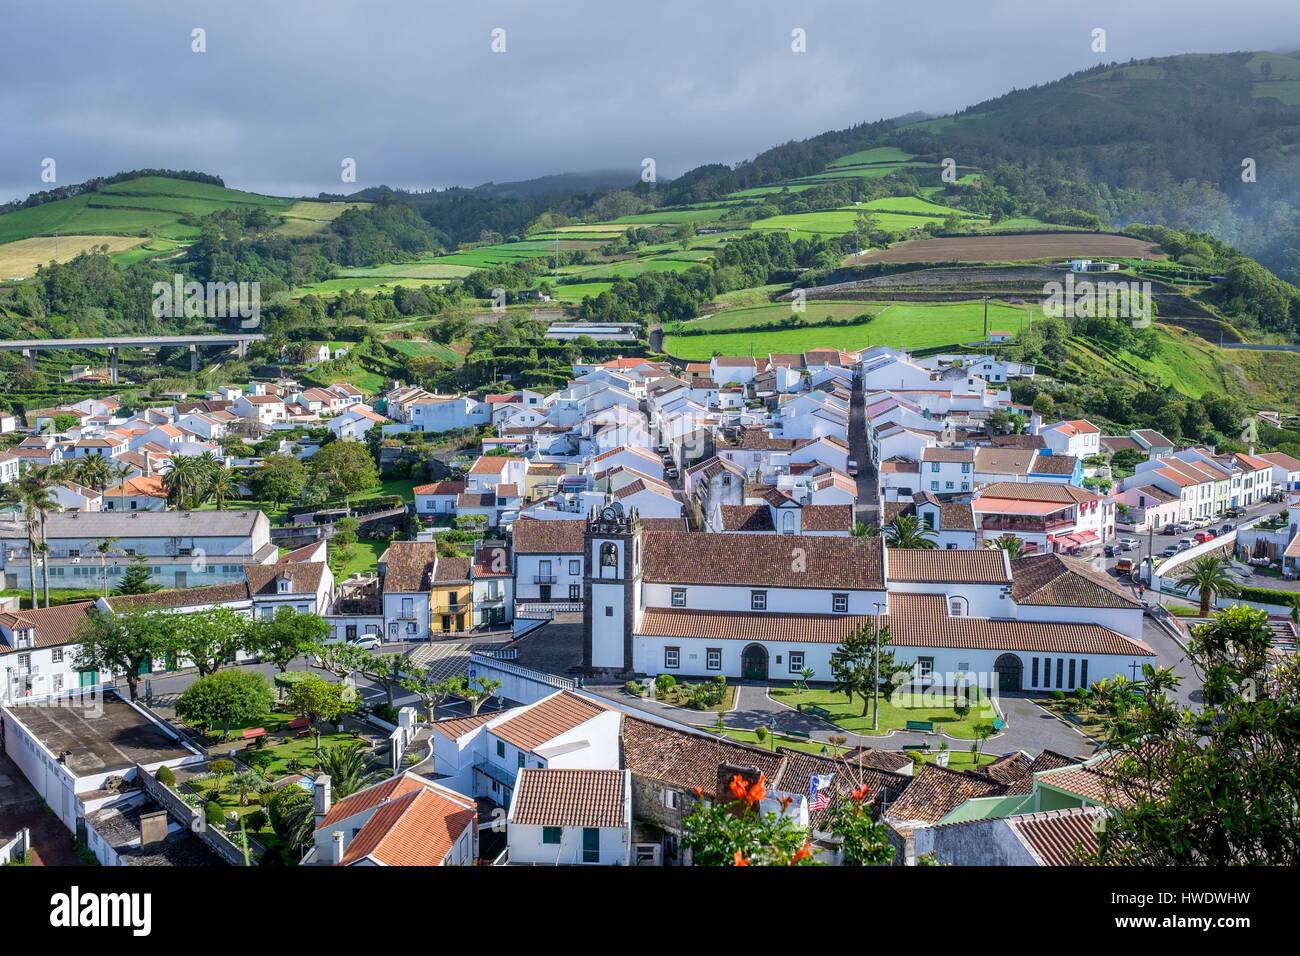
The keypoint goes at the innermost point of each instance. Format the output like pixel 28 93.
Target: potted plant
pixel 941 758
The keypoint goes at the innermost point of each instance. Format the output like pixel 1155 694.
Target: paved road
pixel 868 493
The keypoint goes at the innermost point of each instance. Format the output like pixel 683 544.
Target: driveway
pixel 868 493
pixel 21 807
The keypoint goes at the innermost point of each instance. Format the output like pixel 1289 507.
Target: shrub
pixel 165 777
pixel 213 813
pixel 222 767
pixel 1057 695
pixel 255 821
pixel 385 713
pixel 634 688
pixel 664 682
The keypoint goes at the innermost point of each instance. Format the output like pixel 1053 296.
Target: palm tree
pixel 93 471
pixel 862 530
pixel 118 473
pixel 907 531
pixel 104 547
pixel 17 494
pixel 1012 545
pixel 1206 574
pixel 182 480
pixel 221 486
pixel 348 767
pixel 38 501
pixel 245 783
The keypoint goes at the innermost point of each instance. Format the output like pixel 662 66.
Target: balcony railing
pixel 543 578
pixel 1033 525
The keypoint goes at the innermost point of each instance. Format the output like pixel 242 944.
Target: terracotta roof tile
pixel 1058 837
pixel 416 829
pixel 1051 579
pixel 688 760
pixel 558 536
pixel 569 798
pixel 763 561
pixel 964 566
pixel 547 719
pixel 935 792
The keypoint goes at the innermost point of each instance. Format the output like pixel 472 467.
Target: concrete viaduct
pixel 29 347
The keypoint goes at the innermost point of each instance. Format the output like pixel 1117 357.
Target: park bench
pixel 821 712
pixel 921 726
pixel 253 733
pixel 801 734
pixel 915 747
pixel 301 724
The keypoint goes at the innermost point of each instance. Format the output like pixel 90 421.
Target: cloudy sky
pixel 412 90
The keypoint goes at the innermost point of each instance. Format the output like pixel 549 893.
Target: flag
pixel 819 792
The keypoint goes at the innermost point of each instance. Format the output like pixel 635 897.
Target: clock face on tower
pixel 608 514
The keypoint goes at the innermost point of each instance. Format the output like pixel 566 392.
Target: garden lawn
pixel 894 714
pixel 962 760
pixel 794 743
pixel 274 760
pixel 365 557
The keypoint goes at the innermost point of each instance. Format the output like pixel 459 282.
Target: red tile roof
pixel 547 719
pixel 569 798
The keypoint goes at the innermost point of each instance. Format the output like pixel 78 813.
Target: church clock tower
pixel 611 589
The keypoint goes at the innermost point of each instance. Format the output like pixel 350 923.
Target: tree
pixel 137 579
pixel 851 663
pixel 288 635
pixel 208 639
pixel 229 698
pixel 384 669
pixel 346 466
pixel 124 644
pixel 1215 786
pixel 292 818
pixel 280 479
pixel 1045 405
pixel 221 486
pixel 431 690
pixel 183 481
pixel 1011 544
pixel 349 768
pixel 907 531
pixel 245 783
pixel 862 841
pixel 476 693
pixel 104 547
pixel 318 700
pixel 1206 574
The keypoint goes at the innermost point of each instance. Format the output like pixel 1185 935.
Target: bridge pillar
pixel 194 358
pixel 112 366
pixel 241 348
pixel 29 356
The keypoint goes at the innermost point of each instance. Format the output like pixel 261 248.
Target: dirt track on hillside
pixel 994 248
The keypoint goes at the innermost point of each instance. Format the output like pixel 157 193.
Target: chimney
pixel 336 847
pixel 321 797
pixel 153 827
pixel 148 465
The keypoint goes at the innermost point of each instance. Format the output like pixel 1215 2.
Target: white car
pixel 1129 544
pixel 367 642
pixel 852 468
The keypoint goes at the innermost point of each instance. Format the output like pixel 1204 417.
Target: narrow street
pixel 868 489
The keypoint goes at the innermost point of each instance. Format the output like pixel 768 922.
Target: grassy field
pixel 365 557
pixel 878 154
pixel 149 205
pixel 773 313
pixel 574 293
pixel 901 324
pixel 19 259
pixel 894 715
pixel 840 221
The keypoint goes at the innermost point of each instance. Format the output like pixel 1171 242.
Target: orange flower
pixel 802 853
pixel 739 859
pixel 699 791
pixel 739 787
pixel 860 794
pixel 758 791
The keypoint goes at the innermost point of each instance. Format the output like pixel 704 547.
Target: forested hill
pixel 1159 140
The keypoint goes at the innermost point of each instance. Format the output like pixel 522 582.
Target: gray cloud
pixel 411 90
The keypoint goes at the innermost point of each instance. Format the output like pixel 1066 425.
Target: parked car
pixel 1185 543
pixel 367 642
pixel 1129 544
pixel 1170 551
pixel 1124 566
pixel 661 449
pixel 1186 526
pixel 1110 550
pixel 1169 529
pixel 670 473
pixel 853 468
pixel 1226 528
pixel 1236 512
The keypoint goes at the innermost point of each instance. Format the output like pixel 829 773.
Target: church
pixel 771 607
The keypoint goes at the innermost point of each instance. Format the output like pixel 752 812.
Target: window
pixel 934 486
pixel 925 667
pixel 679 597
pixel 575 566
pixel 1047 672
pixel 1071 684
pixel 1060 670
pixel 1033 679
pixel 521 760
pixel 551 836
pixel 758 600
pixel 965 468
pixel 501 749
pixel 840 603
pixel 1083 672
pixel 609 610
pixel 58 683
pixel 934 467
pixel 948 485
pixel 796 662
pixel 671 799
pixel 957 607
pixel 713 658
pixel 590 845
pixel 672 657
pixel 575 592
pixel 56 656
